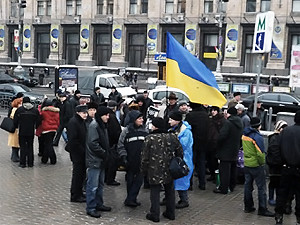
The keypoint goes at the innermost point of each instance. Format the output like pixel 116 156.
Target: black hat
pixel 59 91
pixel 176 116
pixel 172 96
pixel 62 94
pixel 236 93
pixel 215 108
pixel 232 111
pixel 77 92
pixel 97 88
pixel 19 95
pixel 255 122
pixel 102 110
pixel 81 108
pixel 113 87
pixel 26 100
pixel 296 118
pixel 112 103
pixel 134 115
pixel 92 105
pixel 158 122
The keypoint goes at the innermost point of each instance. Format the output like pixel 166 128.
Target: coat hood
pixel 236 120
pixel 133 115
pixel 28 105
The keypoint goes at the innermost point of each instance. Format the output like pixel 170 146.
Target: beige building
pixel 128 33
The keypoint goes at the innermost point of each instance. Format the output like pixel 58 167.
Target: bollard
pixel 270 118
pixel 217 175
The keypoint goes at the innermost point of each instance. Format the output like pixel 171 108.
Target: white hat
pixel 240 106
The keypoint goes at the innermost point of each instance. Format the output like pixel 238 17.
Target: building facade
pixel 128 33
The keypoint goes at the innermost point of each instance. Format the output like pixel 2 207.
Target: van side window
pixel 103 82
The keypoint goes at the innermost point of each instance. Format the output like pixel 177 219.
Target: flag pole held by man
pixel 189 74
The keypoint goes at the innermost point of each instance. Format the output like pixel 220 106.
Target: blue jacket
pixel 185 137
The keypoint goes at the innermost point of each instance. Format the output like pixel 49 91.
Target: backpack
pixel 273 157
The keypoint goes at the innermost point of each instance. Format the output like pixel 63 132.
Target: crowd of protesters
pixel 142 137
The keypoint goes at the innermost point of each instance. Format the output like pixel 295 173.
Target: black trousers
pixel 289 182
pixel 26 150
pixel 227 171
pixel 155 199
pixel 58 134
pixel 111 167
pixel 48 150
pixel 78 178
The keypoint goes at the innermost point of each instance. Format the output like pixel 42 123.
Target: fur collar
pixel 50 108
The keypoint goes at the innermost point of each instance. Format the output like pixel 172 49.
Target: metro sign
pixel 263 34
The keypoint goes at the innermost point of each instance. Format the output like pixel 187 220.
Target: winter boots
pixel 15 155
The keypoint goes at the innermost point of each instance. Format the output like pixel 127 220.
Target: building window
pixel 100 4
pixel 265 5
pixel 181 6
pixel 40 8
pixel 133 7
pixel 169 6
pixel 69 7
pixel 251 6
pixel 296 6
pixel 208 6
pixel 49 6
pixel 13 9
pixel 78 7
pixel 43 50
pixel 110 7
pixel 144 8
pixel 296 40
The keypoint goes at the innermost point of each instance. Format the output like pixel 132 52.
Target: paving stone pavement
pixel 40 195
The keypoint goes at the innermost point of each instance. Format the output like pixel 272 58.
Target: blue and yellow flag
pixel 189 74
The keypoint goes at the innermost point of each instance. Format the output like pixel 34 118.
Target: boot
pixel 278 219
pixel 15 155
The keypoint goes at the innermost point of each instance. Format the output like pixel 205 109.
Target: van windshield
pixel 117 81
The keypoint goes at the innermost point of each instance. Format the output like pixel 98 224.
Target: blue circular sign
pixel 2 33
pixel 232 34
pixel 54 33
pixel 117 33
pixel 191 34
pixel 27 33
pixel 85 33
pixel 152 34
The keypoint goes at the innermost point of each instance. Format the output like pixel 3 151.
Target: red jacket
pixel 50 118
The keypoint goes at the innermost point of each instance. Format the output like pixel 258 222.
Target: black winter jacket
pixel 76 138
pixel 229 139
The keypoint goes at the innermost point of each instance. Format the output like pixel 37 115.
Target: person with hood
pixel 76 147
pixel 13 138
pixel 183 132
pixel 50 122
pixel 160 147
pixel 96 155
pixel 198 119
pixel 130 147
pixel 289 148
pixel 227 151
pixel 26 119
pixel 254 161
pixel 97 96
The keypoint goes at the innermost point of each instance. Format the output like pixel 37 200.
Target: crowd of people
pixel 142 137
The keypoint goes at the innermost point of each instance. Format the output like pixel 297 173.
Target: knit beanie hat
pixel 158 122
pixel 176 116
pixel 232 111
pixel 102 110
pixel 26 100
pixel 236 93
pixel 92 105
pixel 76 92
pixel 255 122
pixel 215 108
pixel 182 102
pixel 81 108
pixel 133 115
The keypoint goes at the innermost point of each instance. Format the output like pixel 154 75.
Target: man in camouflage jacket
pixel 159 149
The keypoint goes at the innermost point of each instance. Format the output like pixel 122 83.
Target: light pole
pixel 19 69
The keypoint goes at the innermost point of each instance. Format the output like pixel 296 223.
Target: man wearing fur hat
pixel 183 131
pixel 254 160
pixel 160 147
pixel 289 146
pixel 26 118
pixel 227 151
pixel 96 155
pixel 76 147
pixel 129 147
pixel 236 99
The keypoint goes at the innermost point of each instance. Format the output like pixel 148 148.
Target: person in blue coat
pixel 183 131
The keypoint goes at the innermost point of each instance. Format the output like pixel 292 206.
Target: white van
pixel 109 80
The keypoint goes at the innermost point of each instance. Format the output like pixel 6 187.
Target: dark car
pixel 279 101
pixel 8 91
pixel 5 78
pixel 25 79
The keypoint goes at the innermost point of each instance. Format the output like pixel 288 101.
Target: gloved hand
pixel 124 160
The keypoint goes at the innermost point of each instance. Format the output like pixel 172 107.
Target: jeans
pixel 256 174
pixel 134 183
pixel 94 188
pixel 183 195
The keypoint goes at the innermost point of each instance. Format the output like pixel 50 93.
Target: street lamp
pixel 19 69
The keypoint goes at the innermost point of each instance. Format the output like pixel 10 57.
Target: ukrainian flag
pixel 189 74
